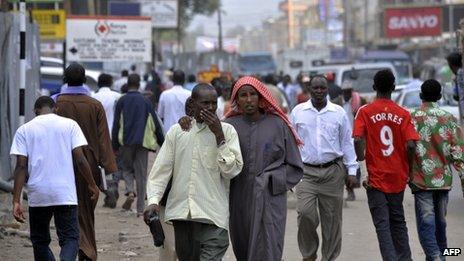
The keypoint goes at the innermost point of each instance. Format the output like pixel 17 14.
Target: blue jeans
pixel 388 217
pixel 67 229
pixel 431 222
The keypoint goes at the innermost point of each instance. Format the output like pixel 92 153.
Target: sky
pixel 248 13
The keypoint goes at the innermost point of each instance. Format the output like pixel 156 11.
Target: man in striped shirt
pixel 201 163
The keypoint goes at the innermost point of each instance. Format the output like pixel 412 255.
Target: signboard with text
pixel 51 23
pixel 412 22
pixel 163 13
pixel 108 39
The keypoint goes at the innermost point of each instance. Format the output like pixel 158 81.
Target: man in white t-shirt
pixel 45 148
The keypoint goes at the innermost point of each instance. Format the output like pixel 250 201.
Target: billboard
pixel 51 23
pixel 163 13
pixel 412 22
pixel 108 38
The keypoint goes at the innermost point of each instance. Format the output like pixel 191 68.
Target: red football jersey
pixel 386 127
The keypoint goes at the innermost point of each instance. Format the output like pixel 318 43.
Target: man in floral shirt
pixel 441 144
pixel 454 60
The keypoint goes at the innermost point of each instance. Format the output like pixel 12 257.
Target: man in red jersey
pixel 389 134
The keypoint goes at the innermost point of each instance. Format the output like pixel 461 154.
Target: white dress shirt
pixel 326 134
pixel 201 173
pixel 117 85
pixel 349 111
pixel 171 106
pixel 108 99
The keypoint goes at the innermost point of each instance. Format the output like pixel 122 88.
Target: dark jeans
pixel 67 229
pixel 197 241
pixel 388 217
pixel 431 222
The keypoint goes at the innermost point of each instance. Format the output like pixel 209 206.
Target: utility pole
pixel 451 23
pixel 366 25
pixel 346 26
pixel 22 61
pixel 291 25
pixel 220 46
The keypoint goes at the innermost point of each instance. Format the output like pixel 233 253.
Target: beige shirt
pixel 201 174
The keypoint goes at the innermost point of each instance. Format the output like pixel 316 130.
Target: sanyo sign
pixel 412 22
pixel 404 22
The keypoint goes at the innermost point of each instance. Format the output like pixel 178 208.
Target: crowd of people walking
pixel 227 153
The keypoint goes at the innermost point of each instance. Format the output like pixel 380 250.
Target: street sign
pixel 163 13
pixel 412 22
pixel 52 23
pixel 108 38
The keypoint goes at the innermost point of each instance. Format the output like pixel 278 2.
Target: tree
pixel 189 8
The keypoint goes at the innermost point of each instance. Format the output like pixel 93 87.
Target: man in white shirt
pixel 108 99
pixel 201 163
pixel 327 153
pixel 45 148
pixel 121 81
pixel 291 90
pixel 172 101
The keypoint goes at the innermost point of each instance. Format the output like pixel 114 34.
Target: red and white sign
pixel 108 38
pixel 412 22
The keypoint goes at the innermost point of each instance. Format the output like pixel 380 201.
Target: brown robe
pixel 90 116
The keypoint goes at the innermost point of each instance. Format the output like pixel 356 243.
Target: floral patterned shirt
pixel 441 144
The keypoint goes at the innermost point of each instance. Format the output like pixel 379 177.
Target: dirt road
pixel 123 236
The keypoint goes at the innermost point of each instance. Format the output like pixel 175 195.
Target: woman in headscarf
pixel 272 165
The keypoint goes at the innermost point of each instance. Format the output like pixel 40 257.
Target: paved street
pixel 122 236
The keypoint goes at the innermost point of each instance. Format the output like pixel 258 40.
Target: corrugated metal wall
pixel 9 83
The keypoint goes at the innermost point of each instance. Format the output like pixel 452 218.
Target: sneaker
pixel 128 203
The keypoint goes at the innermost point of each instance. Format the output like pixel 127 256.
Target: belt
pixel 323 165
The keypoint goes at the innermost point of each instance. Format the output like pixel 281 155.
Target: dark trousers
pixel 134 167
pixel 431 222
pixel 388 217
pixel 67 230
pixel 197 241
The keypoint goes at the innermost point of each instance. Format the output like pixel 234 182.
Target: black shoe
pixel 110 199
pixel 351 196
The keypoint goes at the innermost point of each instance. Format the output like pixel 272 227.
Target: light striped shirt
pixel 201 174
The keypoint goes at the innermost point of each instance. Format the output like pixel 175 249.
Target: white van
pixel 361 74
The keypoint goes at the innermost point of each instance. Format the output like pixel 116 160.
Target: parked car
pixel 399 59
pixel 362 75
pixel 51 79
pixel 409 99
pixel 253 63
pixel 51 62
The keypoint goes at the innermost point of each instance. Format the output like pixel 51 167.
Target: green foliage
pixel 187 11
pixel 189 8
